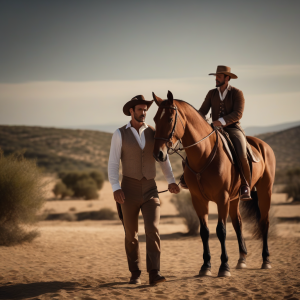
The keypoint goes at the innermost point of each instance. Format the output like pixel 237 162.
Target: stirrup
pixel 245 193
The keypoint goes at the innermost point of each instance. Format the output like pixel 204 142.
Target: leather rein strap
pixel 169 140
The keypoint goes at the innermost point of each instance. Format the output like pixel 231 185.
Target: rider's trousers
pixel 240 144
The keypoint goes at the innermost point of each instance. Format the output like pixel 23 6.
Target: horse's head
pixel 169 126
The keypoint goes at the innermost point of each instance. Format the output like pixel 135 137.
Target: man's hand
pixel 217 124
pixel 119 196
pixel 173 188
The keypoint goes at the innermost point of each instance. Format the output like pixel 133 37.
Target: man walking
pixel 133 145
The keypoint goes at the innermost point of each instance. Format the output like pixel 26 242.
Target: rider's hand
pixel 173 188
pixel 119 196
pixel 217 124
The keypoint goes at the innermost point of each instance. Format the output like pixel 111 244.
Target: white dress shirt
pixel 115 156
pixel 222 97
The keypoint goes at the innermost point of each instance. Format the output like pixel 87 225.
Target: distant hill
pixel 58 149
pixel 111 128
pixel 67 149
pixel 255 130
pixel 286 146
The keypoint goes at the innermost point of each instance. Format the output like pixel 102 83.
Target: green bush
pixel 83 184
pixel 102 214
pixel 86 188
pixel 22 195
pixel 98 178
pixel 60 189
pixel 285 176
pixel 293 189
pixel 184 205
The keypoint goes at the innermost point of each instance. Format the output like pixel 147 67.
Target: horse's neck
pixel 196 129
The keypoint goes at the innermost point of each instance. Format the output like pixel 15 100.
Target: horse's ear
pixel 170 97
pixel 157 100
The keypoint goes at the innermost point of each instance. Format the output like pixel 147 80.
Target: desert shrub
pixel 290 179
pixel 285 176
pixel 98 177
pixel 83 184
pixel 60 189
pixel 70 217
pixel 184 205
pixel 293 188
pixel 86 188
pixel 22 195
pixel 102 214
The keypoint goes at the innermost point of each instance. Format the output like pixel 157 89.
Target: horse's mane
pixel 201 115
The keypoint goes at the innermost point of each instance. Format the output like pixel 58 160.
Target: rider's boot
pixel 245 190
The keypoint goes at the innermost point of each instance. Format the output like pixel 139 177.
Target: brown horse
pixel 211 176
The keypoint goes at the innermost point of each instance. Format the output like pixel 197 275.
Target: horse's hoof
pixel 266 265
pixel 241 265
pixel 224 273
pixel 205 272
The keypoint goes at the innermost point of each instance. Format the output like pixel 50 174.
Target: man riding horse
pixel 227 107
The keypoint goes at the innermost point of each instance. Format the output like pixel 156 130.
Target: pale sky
pixel 73 63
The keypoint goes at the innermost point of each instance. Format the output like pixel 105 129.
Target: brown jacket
pixel 136 162
pixel 230 109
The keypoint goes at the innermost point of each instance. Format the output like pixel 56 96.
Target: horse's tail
pixel 251 215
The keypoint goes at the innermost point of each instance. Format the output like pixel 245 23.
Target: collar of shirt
pixel 222 97
pixel 142 128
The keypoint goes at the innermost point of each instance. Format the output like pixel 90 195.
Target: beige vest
pixel 136 162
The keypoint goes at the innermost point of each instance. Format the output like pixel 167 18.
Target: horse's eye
pixel 171 120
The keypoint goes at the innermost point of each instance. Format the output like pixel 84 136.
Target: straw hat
pixel 139 99
pixel 224 70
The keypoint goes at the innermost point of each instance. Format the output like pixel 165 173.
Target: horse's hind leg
pixel 223 210
pixel 264 203
pixel 237 225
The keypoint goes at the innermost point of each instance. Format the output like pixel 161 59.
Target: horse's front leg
pixel 223 210
pixel 201 208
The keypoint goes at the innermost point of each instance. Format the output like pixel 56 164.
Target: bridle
pixel 168 141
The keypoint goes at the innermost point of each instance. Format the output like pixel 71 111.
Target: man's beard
pixel 218 83
pixel 138 120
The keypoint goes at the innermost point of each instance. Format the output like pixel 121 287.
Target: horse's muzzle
pixel 160 157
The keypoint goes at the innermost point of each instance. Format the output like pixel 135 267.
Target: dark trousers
pixel 141 195
pixel 240 144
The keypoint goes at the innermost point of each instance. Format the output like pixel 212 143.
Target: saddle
pixel 229 149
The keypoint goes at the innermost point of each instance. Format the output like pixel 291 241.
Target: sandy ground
pixel 86 260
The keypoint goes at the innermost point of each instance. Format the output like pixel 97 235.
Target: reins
pixel 169 141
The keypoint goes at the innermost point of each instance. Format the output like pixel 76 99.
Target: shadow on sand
pixel 22 291
pixel 183 236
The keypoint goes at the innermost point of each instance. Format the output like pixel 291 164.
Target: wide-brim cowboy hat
pixel 139 99
pixel 224 70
